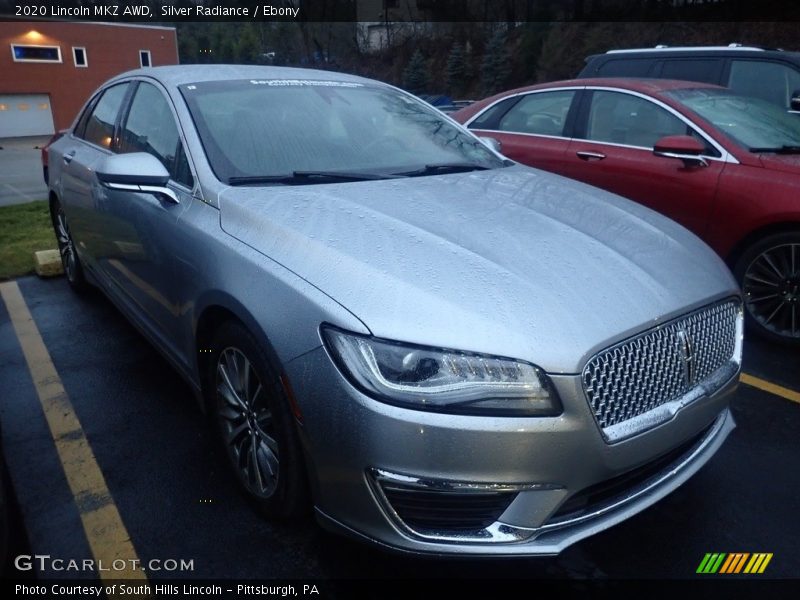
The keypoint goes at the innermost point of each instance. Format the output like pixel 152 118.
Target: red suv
pixel 725 166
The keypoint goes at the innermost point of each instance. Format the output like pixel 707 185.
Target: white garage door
pixel 25 114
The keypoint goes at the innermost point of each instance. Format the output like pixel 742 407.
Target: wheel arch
pixel 757 234
pixel 215 309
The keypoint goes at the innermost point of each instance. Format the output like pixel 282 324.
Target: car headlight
pixel 442 380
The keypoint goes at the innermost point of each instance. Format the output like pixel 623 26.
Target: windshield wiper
pixel 786 149
pixel 444 168
pixel 306 177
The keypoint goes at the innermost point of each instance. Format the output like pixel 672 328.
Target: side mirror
pixel 794 101
pixel 135 172
pixel 683 147
pixel 493 143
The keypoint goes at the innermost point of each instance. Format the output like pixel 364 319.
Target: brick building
pixel 49 68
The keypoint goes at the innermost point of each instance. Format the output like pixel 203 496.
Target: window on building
pixel 79 56
pixel 42 54
pixel 144 58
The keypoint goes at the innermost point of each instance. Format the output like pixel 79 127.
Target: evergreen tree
pixel 496 65
pixel 456 74
pixel 248 49
pixel 416 75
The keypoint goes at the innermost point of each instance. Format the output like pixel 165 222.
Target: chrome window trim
pixel 725 156
pixel 526 93
pixel 538 135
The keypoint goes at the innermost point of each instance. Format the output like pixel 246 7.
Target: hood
pixel 513 262
pixel 788 163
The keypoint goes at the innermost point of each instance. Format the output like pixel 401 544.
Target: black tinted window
pixel 632 67
pixel 773 82
pixel 100 125
pixel 150 127
pixel 706 70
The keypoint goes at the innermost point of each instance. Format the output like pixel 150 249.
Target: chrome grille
pixel 662 364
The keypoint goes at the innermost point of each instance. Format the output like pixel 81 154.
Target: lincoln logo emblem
pixel 687 353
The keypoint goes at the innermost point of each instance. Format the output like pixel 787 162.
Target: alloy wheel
pixel 247 423
pixel 66 246
pixel 771 286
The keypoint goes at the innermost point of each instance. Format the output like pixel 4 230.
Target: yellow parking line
pixel 108 539
pixel 770 387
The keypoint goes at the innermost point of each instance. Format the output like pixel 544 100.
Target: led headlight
pixel 441 380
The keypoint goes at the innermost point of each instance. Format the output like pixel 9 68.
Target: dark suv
pixel 773 75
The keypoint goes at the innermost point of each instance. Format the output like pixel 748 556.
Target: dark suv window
pixel 150 127
pixel 703 70
pixel 770 81
pixel 633 67
pixel 99 128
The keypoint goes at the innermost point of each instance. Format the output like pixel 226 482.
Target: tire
pixel 768 272
pixel 254 424
pixel 66 247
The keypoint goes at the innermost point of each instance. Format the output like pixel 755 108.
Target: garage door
pixel 25 114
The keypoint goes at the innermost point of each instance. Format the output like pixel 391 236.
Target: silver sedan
pixel 438 349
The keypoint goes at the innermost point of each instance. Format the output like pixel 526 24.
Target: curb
pixel 48 263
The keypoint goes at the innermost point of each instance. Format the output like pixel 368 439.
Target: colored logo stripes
pixel 734 562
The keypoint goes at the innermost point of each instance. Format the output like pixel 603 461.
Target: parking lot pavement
pixel 176 500
pixel 21 170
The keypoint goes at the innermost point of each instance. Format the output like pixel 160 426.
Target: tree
pixel 496 65
pixel 188 49
pixel 416 75
pixel 456 74
pixel 248 49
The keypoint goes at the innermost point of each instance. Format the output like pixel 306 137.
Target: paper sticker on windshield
pixel 303 82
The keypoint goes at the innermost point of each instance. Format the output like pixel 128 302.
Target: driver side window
pixel 628 120
pixel 150 127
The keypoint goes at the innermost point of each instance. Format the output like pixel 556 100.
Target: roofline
pixel 12 19
pixel 730 48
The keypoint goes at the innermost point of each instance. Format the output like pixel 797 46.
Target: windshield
pixel 756 124
pixel 299 131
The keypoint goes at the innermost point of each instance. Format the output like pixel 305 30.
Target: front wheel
pixel 255 425
pixel 769 274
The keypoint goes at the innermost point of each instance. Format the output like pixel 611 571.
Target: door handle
pixel 68 157
pixel 586 155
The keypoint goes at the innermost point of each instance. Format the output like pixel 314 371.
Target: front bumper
pixel 561 479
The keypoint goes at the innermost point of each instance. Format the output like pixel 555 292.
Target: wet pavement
pixel 178 501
